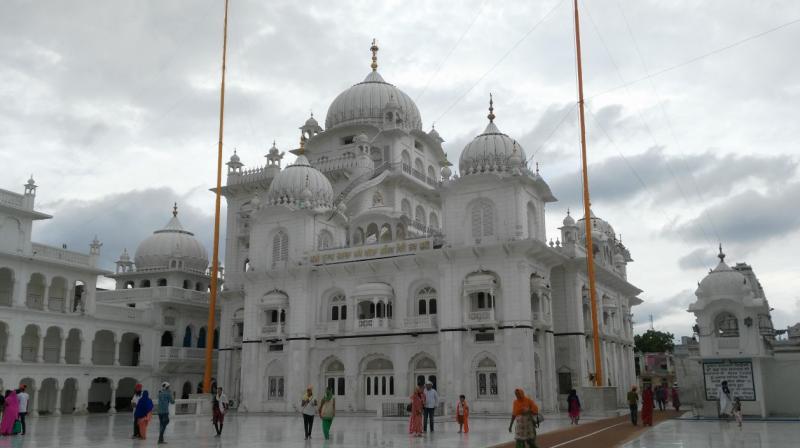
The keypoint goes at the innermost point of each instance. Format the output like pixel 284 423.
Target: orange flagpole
pixel 212 301
pixel 598 365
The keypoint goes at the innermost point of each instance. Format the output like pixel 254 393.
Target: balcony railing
pixel 374 324
pixel 420 322
pixel 371 251
pixel 58 254
pixel 35 301
pixel 56 304
pixel 480 316
pixel 155 292
pixel 272 330
pixel 10 198
pixel 184 354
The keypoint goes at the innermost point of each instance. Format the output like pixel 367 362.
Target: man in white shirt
pixel 23 399
pixel 431 401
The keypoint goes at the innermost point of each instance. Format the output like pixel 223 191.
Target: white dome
pixel 364 103
pixel 568 220
pixel 172 243
pixel 723 282
pixel 491 151
pixel 301 185
pixel 600 227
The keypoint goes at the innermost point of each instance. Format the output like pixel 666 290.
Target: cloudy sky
pixel 692 126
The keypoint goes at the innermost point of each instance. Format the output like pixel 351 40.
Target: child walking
pixel 462 414
pixel 737 411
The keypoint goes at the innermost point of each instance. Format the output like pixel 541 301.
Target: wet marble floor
pixel 720 434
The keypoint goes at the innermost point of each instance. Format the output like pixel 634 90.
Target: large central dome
pixel 171 247
pixel 364 102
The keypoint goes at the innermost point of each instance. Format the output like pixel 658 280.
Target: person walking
pixel 573 407
pixel 327 411
pixel 417 405
pixel 724 397
pixel 165 398
pixel 137 394
pixel 737 410
pixel 633 404
pixel 676 399
pixel 524 412
pixel 431 401
pixel 143 413
pixel 308 406
pixel 462 414
pixel 647 406
pixel 10 413
pixel 219 405
pixel 23 398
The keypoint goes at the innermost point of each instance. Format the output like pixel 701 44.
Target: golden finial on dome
pixel 175 209
pixel 374 50
pixel 491 108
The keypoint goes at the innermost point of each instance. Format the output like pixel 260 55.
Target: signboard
pixel 738 374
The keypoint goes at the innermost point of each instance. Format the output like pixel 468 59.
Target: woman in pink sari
pixel 10 413
pixel 417 403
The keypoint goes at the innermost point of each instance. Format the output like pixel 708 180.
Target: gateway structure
pixel 367 266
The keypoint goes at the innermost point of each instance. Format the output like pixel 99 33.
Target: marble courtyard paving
pixel 359 432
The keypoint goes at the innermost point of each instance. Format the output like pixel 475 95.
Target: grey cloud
pixel 120 221
pixel 696 259
pixel 749 217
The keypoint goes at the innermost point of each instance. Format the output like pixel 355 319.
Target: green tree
pixel 653 341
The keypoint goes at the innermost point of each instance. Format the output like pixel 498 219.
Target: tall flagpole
pixel 212 301
pixel 587 213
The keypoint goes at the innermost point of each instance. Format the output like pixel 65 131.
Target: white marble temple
pixel 718 434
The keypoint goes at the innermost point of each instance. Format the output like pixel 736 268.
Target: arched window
pixel 187 284
pixel 358 237
pixel 419 167
pixel 338 308
pixel 280 247
pixel 405 207
pixel 166 339
pixel 419 215
pixel 334 377
pixel 372 234
pixel 406 159
pixel 727 325
pixel 431 174
pixel 487 378
pixel 162 282
pixel 433 221
pixel 325 240
pixel 426 301
pixel 187 337
pixel 201 338
pixel 482 219
pixel 144 284
pixel 386 233
pixel 400 232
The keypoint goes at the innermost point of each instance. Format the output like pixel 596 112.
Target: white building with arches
pixel 82 350
pixel 367 266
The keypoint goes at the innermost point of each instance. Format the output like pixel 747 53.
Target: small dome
pixel 446 172
pixel 568 220
pixel 311 122
pixel 172 243
pixel 234 158
pixel 723 281
pixel 124 257
pixel 361 138
pixel 301 185
pixel 491 151
pixel 364 103
pixel 619 258
pixel 434 134
pixel 600 227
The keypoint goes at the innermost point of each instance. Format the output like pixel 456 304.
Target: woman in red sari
pixel 417 403
pixel 647 406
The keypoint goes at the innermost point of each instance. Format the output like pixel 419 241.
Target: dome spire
pixel 374 50
pixel 491 115
pixel 175 209
pixel 721 254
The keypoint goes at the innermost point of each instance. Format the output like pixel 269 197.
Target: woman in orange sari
pixel 524 412
pixel 462 414
pixel 417 403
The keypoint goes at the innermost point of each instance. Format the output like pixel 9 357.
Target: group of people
pixel 727 406
pixel 325 408
pixel 649 399
pixel 143 407
pixel 422 407
pixel 14 404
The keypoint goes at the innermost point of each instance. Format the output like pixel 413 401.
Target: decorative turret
pixel 30 193
pixel 569 231
pixel 94 251
pixel 274 157
pixel 311 127
pixel 234 164
pixel 124 264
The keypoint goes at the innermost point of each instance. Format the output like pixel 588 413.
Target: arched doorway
pixel 47 396
pixel 125 389
pixel 187 336
pixel 166 339
pixel 103 348
pixel 377 382
pixel 52 345
pixel 99 399
pixel 186 390
pixel 201 338
pixel 72 348
pixel 6 286
pixel 129 350
pixel 30 343
pixel 69 395
pixel 4 333
pixel 34 297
